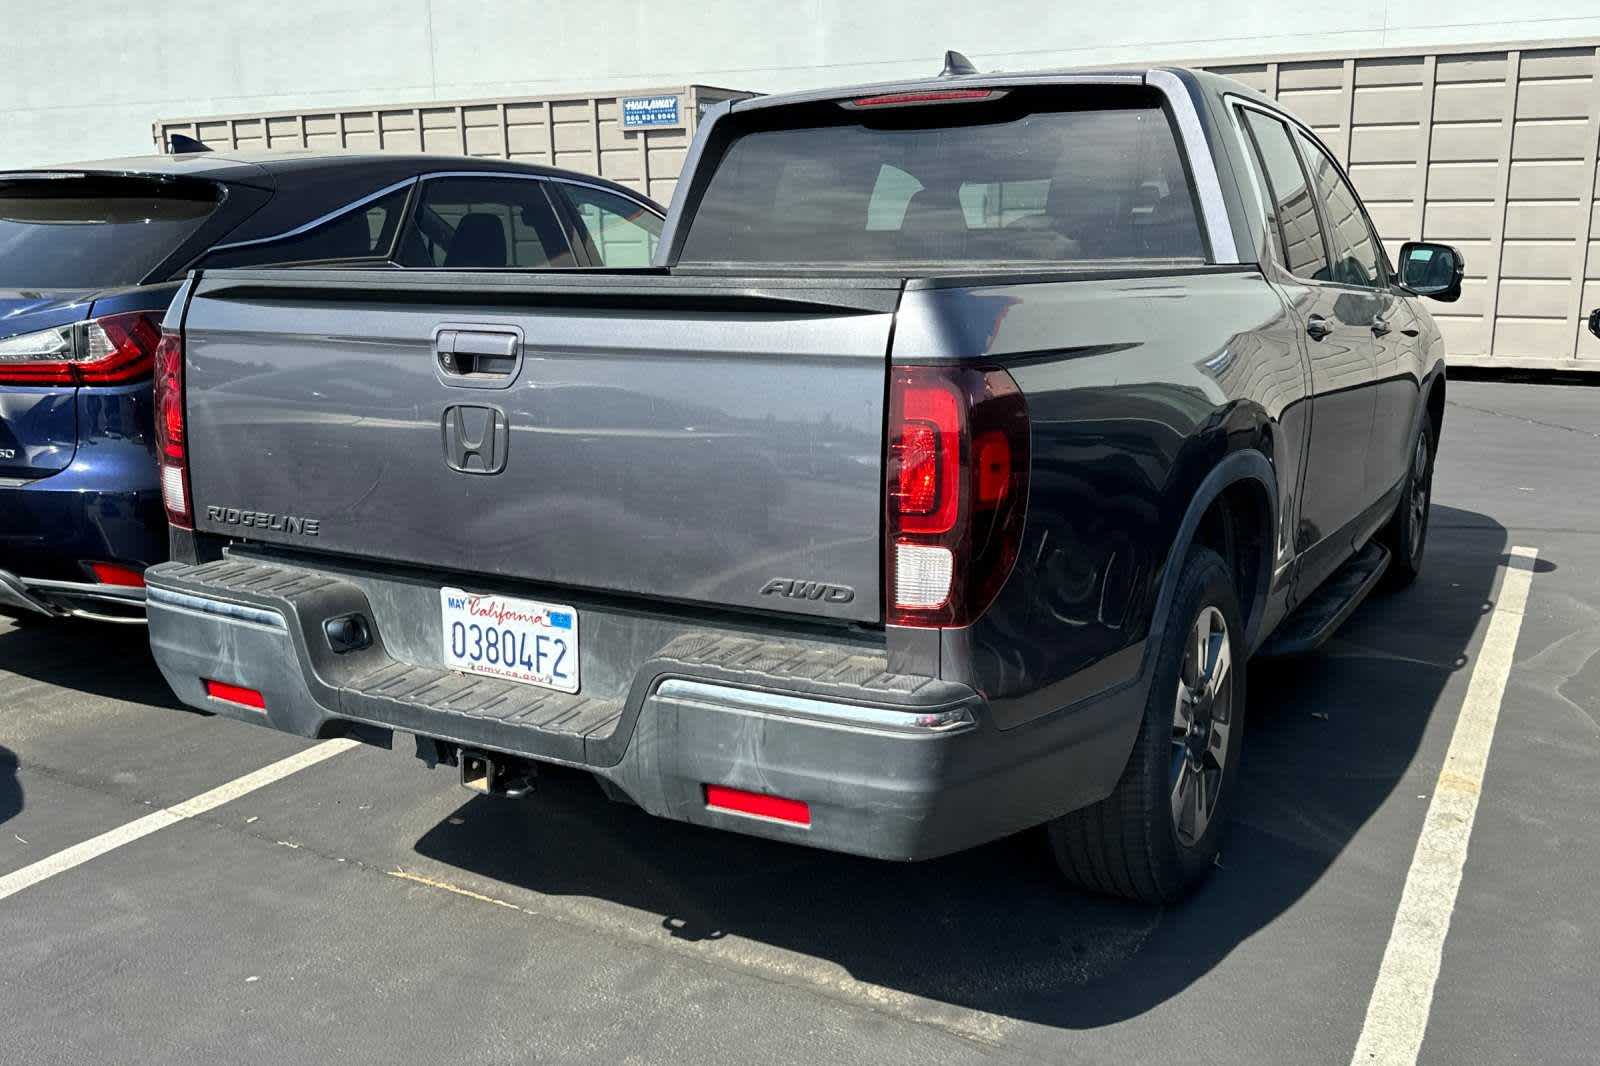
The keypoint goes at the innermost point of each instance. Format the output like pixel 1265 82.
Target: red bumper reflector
pixel 245 697
pixel 722 798
pixel 112 574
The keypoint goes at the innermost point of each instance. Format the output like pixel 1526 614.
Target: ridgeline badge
pixel 274 523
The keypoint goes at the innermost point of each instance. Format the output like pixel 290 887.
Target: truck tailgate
pixel 688 438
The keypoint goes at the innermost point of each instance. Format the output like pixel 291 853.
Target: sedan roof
pixel 314 182
pixel 264 168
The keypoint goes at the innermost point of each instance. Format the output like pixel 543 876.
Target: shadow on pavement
pixel 1329 737
pixel 94 658
pixel 10 787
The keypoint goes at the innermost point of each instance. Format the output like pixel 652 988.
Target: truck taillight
pixel 172 449
pixel 957 492
pixel 111 350
pixel 925 96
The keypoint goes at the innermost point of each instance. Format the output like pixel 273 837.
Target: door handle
pixel 477 358
pixel 1380 325
pixel 1318 327
pixel 471 352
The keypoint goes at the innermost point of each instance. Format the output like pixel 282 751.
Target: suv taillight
pixel 172 449
pixel 112 350
pixel 957 492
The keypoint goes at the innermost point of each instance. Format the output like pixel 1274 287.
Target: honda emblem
pixel 475 438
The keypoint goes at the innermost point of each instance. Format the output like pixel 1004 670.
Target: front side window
pixel 364 231
pixel 619 232
pixel 483 224
pixel 1292 207
pixel 1355 249
pixel 1010 180
pixel 890 199
pixel 1003 203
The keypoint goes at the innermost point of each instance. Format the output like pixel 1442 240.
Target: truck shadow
pixel 94 658
pixel 1330 737
pixel 10 787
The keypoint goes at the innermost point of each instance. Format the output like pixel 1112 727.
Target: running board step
pixel 1315 620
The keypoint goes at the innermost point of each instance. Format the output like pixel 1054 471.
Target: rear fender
pixel 1247 464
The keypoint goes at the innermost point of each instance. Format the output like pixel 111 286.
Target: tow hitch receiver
pixel 496 775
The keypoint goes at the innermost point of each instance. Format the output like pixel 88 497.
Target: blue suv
pixel 90 256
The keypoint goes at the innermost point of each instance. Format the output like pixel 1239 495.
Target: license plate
pixel 516 640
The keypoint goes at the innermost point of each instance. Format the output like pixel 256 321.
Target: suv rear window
pixel 94 233
pixel 963 182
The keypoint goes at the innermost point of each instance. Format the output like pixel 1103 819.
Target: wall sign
pixel 648 112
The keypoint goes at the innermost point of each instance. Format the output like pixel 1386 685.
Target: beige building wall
pixel 1491 149
pixel 576 131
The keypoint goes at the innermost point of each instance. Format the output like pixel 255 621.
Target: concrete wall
pixel 84 80
pixel 1492 151
pixel 576 132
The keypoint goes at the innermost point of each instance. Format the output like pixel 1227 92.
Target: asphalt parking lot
pixel 366 909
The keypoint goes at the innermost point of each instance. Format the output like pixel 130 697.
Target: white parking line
pixel 1397 1015
pixel 79 854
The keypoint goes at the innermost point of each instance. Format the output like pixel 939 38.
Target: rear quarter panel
pixel 1137 388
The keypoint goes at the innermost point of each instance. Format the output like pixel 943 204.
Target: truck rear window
pixel 980 183
pixel 93 232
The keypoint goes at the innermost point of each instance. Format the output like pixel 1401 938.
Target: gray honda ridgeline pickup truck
pixel 965 440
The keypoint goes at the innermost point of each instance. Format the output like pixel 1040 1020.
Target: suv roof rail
pixel 956 63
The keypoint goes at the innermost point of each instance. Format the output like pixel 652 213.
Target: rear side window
pixel 620 232
pixel 362 231
pixel 964 183
pixel 1289 199
pixel 484 224
pixel 95 233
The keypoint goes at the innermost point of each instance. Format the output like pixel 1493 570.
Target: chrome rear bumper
pixel 72 599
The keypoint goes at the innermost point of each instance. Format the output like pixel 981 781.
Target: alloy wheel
pixel 1201 721
pixel 1421 489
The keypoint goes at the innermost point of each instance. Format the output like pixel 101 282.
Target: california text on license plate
pixel 517 640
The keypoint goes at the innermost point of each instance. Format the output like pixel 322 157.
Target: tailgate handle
pixel 476 357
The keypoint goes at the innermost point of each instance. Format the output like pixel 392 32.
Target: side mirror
pixel 1594 322
pixel 1432 270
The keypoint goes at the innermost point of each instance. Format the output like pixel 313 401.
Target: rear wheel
pixel 1158 831
pixel 1406 535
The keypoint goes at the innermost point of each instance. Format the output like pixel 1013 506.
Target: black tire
pixel 1132 844
pixel 1406 535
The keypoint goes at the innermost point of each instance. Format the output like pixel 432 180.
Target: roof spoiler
pixel 183 144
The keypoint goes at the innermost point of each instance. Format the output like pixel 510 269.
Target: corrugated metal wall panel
pixel 1491 150
pixel 581 133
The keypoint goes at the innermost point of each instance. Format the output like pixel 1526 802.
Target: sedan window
pixel 484 223
pixel 620 232
pixel 363 231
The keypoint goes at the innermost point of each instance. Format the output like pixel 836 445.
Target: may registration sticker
pixel 516 640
